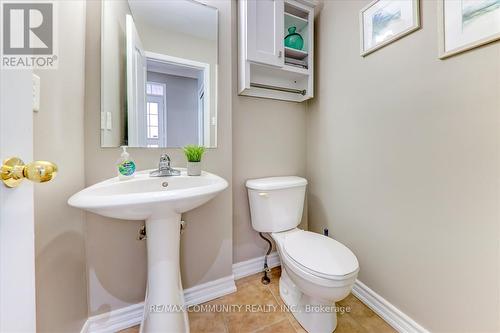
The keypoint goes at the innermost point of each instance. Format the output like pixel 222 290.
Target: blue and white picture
pixel 384 21
pixel 467 24
pixel 475 9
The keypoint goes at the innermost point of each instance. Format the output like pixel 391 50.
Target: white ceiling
pixel 185 16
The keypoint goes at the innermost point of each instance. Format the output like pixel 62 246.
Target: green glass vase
pixel 294 40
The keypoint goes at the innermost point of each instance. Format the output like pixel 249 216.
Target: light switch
pixel 36 93
pixel 109 122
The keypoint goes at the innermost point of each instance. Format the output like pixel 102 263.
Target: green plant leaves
pixel 193 152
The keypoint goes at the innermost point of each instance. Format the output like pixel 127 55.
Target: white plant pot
pixel 194 168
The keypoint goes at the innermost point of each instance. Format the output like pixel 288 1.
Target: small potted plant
pixel 193 154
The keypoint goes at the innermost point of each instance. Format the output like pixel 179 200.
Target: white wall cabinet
pixel 266 67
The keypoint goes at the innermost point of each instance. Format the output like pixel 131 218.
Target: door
pixel 17 246
pixel 265 26
pixel 156 115
pixel 136 86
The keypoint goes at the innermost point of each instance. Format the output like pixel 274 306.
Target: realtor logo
pixel 28 35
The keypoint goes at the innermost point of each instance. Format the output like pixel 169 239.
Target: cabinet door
pixel 265 31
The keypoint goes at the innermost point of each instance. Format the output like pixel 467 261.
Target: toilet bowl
pixel 317 271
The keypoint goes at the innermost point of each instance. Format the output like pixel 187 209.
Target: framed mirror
pixel 158 73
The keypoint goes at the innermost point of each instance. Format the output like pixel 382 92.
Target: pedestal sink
pixel 159 201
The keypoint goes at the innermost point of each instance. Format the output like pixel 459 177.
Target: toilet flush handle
pixel 263 194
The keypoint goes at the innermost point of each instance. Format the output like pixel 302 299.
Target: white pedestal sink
pixel 159 201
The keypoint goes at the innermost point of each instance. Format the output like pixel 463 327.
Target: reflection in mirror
pixel 158 73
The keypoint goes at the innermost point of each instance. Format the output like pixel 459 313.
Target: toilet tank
pixel 276 203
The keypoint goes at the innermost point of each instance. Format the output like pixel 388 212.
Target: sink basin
pixel 143 197
pixel 159 201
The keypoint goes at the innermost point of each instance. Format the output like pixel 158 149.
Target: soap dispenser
pixel 125 165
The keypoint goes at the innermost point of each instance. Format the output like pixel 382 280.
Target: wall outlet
pixel 36 93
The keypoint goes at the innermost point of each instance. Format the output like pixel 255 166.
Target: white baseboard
pixel 255 265
pixel 131 315
pixel 115 320
pixel 208 291
pixel 392 315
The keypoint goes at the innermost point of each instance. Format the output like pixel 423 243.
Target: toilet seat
pixel 320 256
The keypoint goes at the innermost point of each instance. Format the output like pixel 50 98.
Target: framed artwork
pixel 466 24
pixel 384 21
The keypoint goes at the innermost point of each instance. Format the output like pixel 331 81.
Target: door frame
pixel 201 114
pixel 206 83
pixel 136 84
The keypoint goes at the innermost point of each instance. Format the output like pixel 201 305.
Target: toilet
pixel 316 270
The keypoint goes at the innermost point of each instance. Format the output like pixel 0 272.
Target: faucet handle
pixel 164 158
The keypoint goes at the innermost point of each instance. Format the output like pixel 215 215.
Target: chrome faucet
pixel 164 168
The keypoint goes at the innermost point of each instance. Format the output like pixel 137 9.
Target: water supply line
pixel 265 278
pixel 142 235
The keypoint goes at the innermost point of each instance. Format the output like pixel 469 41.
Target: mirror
pixel 158 73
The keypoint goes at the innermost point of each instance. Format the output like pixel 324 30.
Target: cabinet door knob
pixel 13 171
pixel 280 53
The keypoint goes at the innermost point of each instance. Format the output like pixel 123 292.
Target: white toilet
pixel 317 271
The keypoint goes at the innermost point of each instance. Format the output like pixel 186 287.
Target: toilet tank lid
pixel 275 183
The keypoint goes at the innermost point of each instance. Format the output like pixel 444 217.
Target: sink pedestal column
pixel 164 302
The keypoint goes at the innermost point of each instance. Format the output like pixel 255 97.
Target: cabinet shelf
pixel 297 70
pixel 295 54
pixel 295 9
pixel 298 22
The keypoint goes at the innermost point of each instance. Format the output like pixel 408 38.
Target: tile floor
pixel 357 319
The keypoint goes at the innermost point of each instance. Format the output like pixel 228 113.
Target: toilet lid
pixel 320 254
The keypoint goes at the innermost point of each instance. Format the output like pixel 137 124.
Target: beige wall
pixel 403 160
pixel 269 139
pixel 116 261
pixel 61 287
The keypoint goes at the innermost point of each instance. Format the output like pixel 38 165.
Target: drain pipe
pixel 265 278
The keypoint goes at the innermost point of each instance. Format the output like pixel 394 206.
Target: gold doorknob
pixel 14 170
